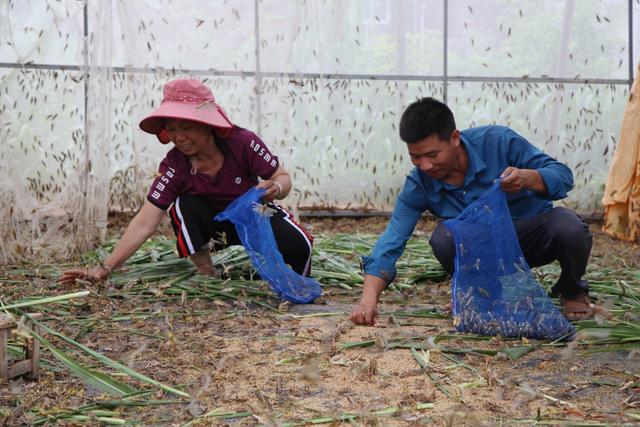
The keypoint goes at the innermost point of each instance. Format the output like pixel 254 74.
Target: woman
pixel 212 163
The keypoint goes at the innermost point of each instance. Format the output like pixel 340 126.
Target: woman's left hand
pixel 272 190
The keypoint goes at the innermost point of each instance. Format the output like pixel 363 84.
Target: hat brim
pixel 211 115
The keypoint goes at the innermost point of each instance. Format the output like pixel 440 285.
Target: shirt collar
pixel 476 165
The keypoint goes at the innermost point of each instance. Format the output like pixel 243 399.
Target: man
pixel 452 169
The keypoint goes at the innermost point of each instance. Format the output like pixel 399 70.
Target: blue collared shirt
pixel 491 149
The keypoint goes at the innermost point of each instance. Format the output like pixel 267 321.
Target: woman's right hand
pixel 95 274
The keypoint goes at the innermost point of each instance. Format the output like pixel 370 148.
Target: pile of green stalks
pixel 336 265
pixel 616 288
pixel 156 275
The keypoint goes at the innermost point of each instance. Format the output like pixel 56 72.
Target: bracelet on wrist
pixel 279 189
pixel 106 268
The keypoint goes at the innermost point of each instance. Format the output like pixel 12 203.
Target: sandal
pixel 578 307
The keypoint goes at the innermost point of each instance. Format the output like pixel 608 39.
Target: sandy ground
pixel 273 368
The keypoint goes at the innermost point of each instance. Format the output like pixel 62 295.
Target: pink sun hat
pixel 187 99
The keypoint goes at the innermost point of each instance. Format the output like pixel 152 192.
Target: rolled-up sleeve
pixel 391 244
pixel 558 179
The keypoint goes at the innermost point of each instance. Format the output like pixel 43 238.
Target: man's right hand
pixel 366 313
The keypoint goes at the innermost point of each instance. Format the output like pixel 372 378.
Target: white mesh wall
pixel 322 81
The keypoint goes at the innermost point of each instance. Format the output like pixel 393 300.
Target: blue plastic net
pixel 251 220
pixel 494 291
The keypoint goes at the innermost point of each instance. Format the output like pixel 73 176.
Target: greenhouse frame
pixel 353 285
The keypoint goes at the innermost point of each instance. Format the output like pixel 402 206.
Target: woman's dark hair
pixel 424 118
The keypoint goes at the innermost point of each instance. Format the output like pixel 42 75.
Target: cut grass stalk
pixel 110 362
pixel 219 413
pixel 47 300
pixel 423 362
pixel 401 343
pixel 515 353
pixel 351 417
pixel 84 418
pixel 312 315
pixel 100 381
pixel 460 363
pixel 419 313
pixel 99 407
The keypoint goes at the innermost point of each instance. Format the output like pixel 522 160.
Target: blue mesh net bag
pixel 494 291
pixel 253 225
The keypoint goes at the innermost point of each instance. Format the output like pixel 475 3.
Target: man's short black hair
pixel 426 117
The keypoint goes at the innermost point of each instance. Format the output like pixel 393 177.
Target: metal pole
pixel 445 47
pixel 372 77
pixel 258 74
pixel 85 176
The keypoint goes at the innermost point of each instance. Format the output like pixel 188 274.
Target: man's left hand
pixel 514 180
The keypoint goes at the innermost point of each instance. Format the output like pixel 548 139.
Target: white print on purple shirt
pixel 262 153
pixel 160 185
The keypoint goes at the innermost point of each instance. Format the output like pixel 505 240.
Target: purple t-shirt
pixel 245 159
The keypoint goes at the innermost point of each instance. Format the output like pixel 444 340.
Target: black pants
pixel 559 234
pixel 192 221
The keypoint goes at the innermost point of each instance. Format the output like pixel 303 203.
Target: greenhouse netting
pixel 323 82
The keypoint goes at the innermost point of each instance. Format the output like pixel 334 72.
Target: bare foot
pixel 210 272
pixel 578 307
